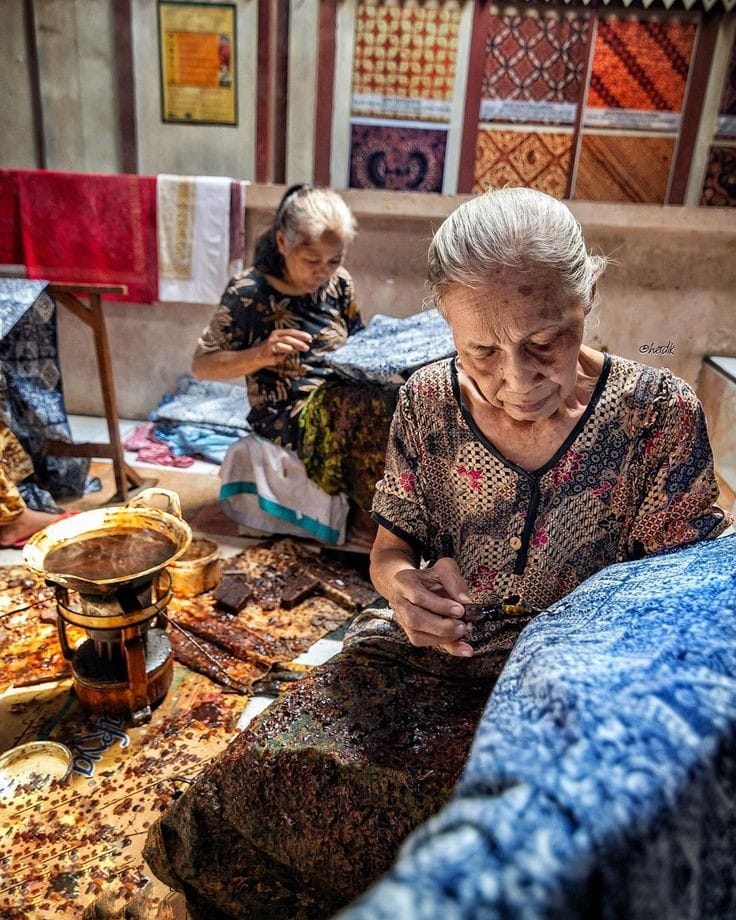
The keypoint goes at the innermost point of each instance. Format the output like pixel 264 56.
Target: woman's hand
pixel 428 604
pixel 281 344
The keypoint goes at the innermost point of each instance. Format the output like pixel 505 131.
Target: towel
pixel 90 228
pixel 199 241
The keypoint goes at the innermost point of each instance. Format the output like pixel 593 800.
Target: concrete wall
pixel 672 279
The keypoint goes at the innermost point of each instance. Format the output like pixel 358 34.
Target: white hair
pixel 516 229
pixel 309 213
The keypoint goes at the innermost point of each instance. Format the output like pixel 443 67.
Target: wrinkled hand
pixel 282 343
pixel 428 604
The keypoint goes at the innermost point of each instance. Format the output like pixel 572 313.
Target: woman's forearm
pixel 224 365
pixel 389 556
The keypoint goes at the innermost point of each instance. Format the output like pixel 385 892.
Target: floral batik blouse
pixel 634 477
pixel 248 312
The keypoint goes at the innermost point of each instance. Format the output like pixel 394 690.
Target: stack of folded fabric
pixel 202 418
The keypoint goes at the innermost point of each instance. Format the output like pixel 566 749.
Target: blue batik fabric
pixel 389 349
pixel 602 778
pixel 31 395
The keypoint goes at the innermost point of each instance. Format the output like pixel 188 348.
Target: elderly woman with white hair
pixel 529 461
pixel 514 471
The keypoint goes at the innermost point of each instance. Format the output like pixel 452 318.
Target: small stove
pixel 125 665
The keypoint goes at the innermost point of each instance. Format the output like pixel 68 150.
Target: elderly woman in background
pixel 276 322
pixel 514 471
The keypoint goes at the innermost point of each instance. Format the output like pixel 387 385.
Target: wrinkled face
pixel 518 339
pixel 311 264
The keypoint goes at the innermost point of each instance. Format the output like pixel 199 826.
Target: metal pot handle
pixel 173 505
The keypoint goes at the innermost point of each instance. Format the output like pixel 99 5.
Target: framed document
pixel 197 56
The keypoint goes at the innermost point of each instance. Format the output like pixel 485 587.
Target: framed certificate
pixel 197 55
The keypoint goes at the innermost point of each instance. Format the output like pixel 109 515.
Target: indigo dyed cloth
pixel 205 403
pixel 31 395
pixel 602 778
pixel 389 347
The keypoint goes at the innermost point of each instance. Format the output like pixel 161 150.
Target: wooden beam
pixel 476 67
pixel 577 134
pixel 326 49
pixel 264 91
pixel 692 106
pixel 281 92
pixel 29 14
pixel 125 83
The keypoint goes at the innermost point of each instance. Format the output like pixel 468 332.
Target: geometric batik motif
pixel 624 167
pixel 640 66
pixel 536 160
pixel 719 188
pixel 404 60
pixel 533 64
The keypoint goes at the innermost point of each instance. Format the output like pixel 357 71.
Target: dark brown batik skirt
pixel 310 804
pixel 344 430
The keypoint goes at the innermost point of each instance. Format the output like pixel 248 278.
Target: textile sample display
pixel 533 159
pixel 639 66
pixel 109 230
pixel 624 167
pixel 534 68
pixel 719 187
pixel 601 778
pixel 403 159
pixel 200 245
pixel 404 60
pixel 389 349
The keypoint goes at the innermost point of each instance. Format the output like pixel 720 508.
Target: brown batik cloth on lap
pixel 310 804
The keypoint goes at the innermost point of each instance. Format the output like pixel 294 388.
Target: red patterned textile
pixel 11 242
pixel 624 168
pixel 719 188
pixel 530 159
pixel 641 65
pixel 93 229
pixel 405 159
pixel 404 55
pixel 534 58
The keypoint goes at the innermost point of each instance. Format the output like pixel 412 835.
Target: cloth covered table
pixel 31 395
pixel 602 779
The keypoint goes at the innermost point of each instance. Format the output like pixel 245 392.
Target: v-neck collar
pixel 563 448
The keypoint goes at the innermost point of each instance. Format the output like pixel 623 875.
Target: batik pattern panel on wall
pixel 534 68
pixel 404 61
pixel 403 159
pixel 726 124
pixel 620 167
pixel 531 159
pixel 719 188
pixel 639 74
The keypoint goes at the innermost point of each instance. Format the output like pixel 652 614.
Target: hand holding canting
pixel 428 605
pixel 281 343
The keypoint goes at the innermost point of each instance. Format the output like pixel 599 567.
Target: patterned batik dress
pixel 634 477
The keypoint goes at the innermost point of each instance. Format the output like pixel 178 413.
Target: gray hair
pixel 309 213
pixel 515 229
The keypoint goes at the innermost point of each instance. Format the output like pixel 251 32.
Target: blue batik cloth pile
pixel 390 348
pixel 602 779
pixel 202 418
pixel 31 393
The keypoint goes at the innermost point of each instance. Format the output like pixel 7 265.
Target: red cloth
pixel 92 229
pixel 11 242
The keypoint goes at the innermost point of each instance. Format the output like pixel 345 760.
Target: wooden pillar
pixel 29 11
pixel 125 82
pixel 326 50
pixel 476 65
